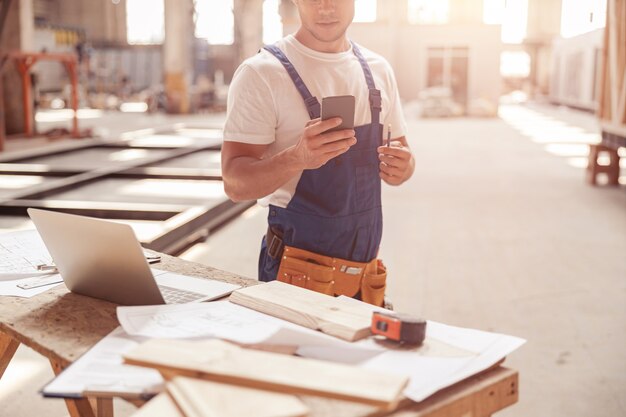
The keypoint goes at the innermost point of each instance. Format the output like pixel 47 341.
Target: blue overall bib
pixel 336 209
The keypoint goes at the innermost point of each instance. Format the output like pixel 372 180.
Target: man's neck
pixel 307 39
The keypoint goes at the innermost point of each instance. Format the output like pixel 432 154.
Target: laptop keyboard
pixel 177 296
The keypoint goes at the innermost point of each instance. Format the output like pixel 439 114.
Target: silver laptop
pixel 103 259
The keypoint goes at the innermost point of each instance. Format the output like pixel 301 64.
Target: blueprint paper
pixel 20 253
pixel 101 371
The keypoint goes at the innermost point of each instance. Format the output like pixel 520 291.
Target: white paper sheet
pixel 101 371
pixel 448 355
pixel 217 319
pixel 20 253
pixel 11 287
pixel 220 319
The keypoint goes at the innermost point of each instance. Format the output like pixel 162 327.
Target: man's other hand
pixel 396 162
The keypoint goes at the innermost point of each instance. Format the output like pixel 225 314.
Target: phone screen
pixel 339 106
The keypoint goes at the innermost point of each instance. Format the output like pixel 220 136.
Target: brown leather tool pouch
pixel 374 283
pixel 348 277
pixel 306 269
pixel 333 276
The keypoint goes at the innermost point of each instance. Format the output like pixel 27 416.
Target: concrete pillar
pixel 18 35
pixel 177 54
pixel 248 27
pixel 115 21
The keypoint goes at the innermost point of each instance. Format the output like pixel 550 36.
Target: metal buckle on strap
pixel 376 100
pixel 312 106
pixel 274 244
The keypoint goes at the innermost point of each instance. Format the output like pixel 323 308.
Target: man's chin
pixel 328 35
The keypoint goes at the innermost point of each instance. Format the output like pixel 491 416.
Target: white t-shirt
pixel 265 108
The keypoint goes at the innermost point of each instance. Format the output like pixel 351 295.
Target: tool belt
pixel 328 275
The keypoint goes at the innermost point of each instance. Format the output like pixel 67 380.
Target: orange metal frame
pixel 24 61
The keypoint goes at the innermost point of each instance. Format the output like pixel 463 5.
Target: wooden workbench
pixel 62 326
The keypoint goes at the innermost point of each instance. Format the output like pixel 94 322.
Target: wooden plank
pixel 8 346
pixel 221 361
pixel 478 396
pixel 197 398
pixel 621 63
pixel 612 63
pixel 308 308
pixel 612 99
pixel 160 406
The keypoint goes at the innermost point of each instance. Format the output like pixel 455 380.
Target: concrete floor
pixel 496 231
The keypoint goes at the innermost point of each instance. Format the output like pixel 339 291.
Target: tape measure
pixel 399 327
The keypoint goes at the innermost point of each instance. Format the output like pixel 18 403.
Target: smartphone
pixel 339 106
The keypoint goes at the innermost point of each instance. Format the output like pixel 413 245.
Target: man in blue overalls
pixel 323 189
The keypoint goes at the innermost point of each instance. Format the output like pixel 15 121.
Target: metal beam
pixel 55 187
pixel 100 209
pixel 140 172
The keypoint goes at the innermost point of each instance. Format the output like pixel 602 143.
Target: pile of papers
pixel 448 355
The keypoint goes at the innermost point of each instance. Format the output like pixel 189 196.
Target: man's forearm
pixel 249 178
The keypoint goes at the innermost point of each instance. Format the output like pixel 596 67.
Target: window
pixel 493 11
pixel 145 22
pixel 365 10
pixel 215 21
pixel 428 11
pixel 581 16
pixel 515 64
pixel 515 21
pixel 511 14
pixel 272 24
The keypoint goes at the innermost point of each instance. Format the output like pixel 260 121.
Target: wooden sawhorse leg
pixel 96 407
pixel 78 408
pixel 8 346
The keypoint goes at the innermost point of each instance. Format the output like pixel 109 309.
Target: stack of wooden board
pixel 223 362
pixel 209 378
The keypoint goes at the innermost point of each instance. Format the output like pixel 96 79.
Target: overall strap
pixel 311 102
pixel 374 95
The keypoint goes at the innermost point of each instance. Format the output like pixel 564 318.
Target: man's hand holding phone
pixel 329 136
pixel 317 145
